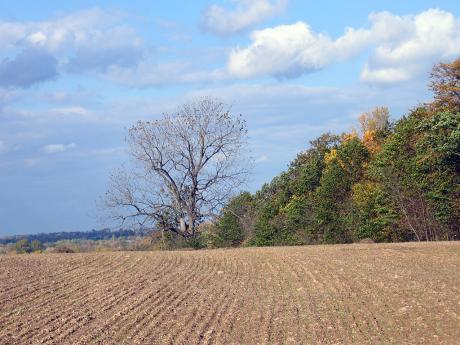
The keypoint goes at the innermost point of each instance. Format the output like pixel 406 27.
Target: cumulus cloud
pixel 428 37
pixel 55 148
pixel 291 50
pixel 403 47
pixel 246 13
pixel 87 41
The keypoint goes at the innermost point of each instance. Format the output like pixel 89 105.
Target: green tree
pixel 371 215
pixel 438 161
pixel 418 169
pixel 284 211
pixel 233 221
pixel 344 167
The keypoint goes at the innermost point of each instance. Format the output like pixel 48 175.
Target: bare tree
pixel 186 166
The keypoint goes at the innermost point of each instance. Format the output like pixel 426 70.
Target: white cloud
pixel 430 36
pixel 2 147
pixel 55 148
pixel 87 41
pixel 291 50
pixel 37 38
pixel 246 13
pixel 387 75
pixel 404 48
pixel 89 28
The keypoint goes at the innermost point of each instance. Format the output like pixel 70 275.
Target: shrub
pixel 63 248
pixel 23 247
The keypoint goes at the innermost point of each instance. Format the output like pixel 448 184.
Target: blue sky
pixel 74 75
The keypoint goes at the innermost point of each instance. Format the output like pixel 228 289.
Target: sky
pixel 75 75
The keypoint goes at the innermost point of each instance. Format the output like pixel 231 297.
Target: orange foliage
pixel 371 142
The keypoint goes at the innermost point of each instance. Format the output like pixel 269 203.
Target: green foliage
pixel 419 168
pixel 168 240
pixel 344 167
pixel 230 230
pixel 296 209
pixel 438 163
pixel 23 247
pixel 196 242
pixel 283 214
pixel 36 246
pixel 400 182
pixel 371 215
pixel 273 232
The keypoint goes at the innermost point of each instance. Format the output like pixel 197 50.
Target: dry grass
pixel 346 294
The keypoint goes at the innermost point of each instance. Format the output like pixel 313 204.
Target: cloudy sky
pixel 75 75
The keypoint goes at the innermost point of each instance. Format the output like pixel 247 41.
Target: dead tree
pixel 186 166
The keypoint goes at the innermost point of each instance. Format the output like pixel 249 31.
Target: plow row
pixel 346 294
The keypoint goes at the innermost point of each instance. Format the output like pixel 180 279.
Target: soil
pixel 342 294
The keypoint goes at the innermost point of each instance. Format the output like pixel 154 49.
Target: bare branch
pixel 186 166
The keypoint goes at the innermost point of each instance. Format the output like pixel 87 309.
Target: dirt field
pixel 347 294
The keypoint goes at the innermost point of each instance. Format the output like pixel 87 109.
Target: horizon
pixel 74 77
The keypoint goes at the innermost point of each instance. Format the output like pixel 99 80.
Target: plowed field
pixel 345 294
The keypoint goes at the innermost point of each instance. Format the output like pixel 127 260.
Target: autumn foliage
pixel 386 181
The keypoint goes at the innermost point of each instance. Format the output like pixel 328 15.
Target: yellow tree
pixel 372 124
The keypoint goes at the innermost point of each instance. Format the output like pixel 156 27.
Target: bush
pixel 23 247
pixel 37 246
pixel 63 248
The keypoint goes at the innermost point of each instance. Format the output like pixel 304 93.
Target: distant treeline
pixel 94 235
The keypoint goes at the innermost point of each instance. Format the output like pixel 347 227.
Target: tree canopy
pixel 387 181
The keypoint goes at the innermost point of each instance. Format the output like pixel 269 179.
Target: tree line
pixel 94 235
pixel 384 181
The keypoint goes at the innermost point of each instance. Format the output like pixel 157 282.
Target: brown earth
pixel 344 294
